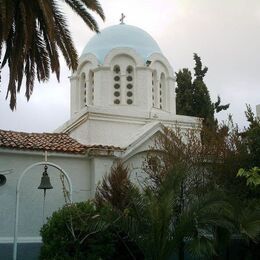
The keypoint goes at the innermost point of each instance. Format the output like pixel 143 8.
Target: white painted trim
pixel 10 240
pixel 140 139
pixel 161 58
pixel 89 57
pixel 41 153
pixel 125 116
pixel 123 51
pixel 74 122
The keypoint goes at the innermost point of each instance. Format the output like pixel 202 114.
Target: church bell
pixel 45 180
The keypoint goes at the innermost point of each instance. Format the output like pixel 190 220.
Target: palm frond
pixel 200 247
pixel 94 6
pixel 19 20
pixel 80 9
pixel 249 223
pixel 64 41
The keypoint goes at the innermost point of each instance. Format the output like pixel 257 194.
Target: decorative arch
pixel 83 90
pixel 90 89
pixel 156 57
pixel 130 77
pixel 160 92
pixel 154 88
pixel 86 82
pixel 123 69
pixel 62 171
pixel 124 52
pixel 87 58
pixel 117 84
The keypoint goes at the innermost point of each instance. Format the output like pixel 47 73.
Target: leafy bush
pixel 84 231
pixel 78 231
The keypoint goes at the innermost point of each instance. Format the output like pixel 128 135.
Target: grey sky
pixel 225 34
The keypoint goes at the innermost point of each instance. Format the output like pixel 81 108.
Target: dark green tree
pixel 193 97
pixel 252 137
pixel 184 91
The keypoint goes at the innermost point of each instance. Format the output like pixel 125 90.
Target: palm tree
pixel 200 223
pixel 161 229
pixel 31 35
pixel 160 221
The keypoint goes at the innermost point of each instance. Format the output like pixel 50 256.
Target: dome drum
pixel 123 68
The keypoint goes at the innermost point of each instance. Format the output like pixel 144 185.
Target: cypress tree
pixel 192 95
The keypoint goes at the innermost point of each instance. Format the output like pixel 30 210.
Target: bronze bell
pixel 45 180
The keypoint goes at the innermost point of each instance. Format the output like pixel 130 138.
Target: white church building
pixel 122 94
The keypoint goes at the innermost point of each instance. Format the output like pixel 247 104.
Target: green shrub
pixel 78 231
pixel 84 231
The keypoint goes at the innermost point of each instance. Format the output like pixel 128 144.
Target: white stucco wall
pixel 31 199
pixel 105 132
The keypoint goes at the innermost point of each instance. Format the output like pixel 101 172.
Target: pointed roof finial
pixel 122 18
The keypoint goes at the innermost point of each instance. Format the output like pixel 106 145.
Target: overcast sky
pixel 225 34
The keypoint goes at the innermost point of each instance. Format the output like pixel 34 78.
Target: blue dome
pixel 120 36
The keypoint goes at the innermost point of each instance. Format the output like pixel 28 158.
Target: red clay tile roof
pixel 54 142
pixel 104 147
pixel 40 141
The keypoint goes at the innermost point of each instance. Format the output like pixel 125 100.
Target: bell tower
pixel 123 81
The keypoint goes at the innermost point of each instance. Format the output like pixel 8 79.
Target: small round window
pixel 129 101
pixel 116 69
pixel 116 101
pixel 129 94
pixel 129 69
pixel 129 86
pixel 116 78
pixel 116 86
pixel 129 78
pixel 116 93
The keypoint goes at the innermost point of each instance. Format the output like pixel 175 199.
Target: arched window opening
pixel 162 92
pixel 83 90
pixel 129 85
pixel 154 89
pixel 117 69
pixel 90 96
pixel 117 84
